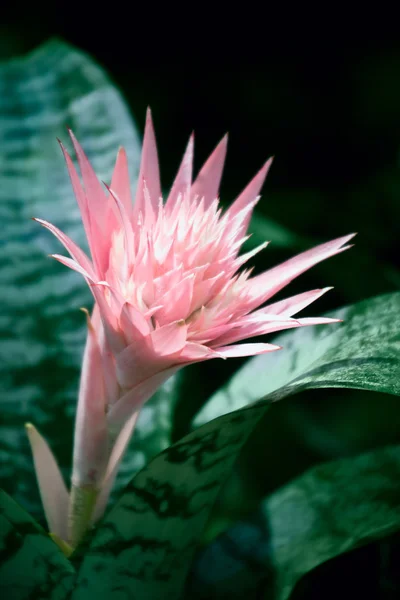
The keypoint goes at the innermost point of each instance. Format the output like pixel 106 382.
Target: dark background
pixel 320 92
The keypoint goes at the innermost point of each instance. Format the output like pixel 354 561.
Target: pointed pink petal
pixel 290 306
pixel 169 339
pixel 96 198
pixel 72 264
pixel 79 192
pixel 243 258
pixel 125 224
pixel 133 324
pixel 317 321
pixel 183 179
pixel 254 328
pixel 136 397
pixel 109 317
pixel 91 434
pixel 248 196
pixel 149 173
pixel 110 322
pixel 265 285
pixel 51 484
pixel 97 207
pixel 146 356
pixel 108 362
pixel 246 350
pixel 116 457
pixel 176 301
pixel 207 181
pixel 77 254
pixel 120 182
pixel 246 331
pixel 193 352
pixel 90 224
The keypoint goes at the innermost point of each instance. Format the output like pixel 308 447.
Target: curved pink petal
pixel 52 488
pixel 72 264
pixel 76 253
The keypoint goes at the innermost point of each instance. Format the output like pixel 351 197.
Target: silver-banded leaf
pixel 42 329
pixel 31 565
pixel 334 508
pixel 363 352
pixel 144 546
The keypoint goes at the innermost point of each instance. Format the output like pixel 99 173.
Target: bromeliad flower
pixel 169 291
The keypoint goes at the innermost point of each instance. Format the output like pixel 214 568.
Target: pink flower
pixel 169 288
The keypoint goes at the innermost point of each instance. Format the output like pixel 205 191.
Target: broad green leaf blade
pixel 42 329
pixel 31 565
pixel 144 546
pixel 334 508
pixel 363 352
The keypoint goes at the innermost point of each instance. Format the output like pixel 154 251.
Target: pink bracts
pixel 170 290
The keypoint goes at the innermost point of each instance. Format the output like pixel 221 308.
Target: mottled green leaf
pixel 42 330
pixel 334 508
pixel 363 352
pixel 145 544
pixel 31 565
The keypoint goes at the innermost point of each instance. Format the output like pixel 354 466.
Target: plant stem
pixel 82 503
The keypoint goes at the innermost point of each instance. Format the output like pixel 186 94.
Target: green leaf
pixel 363 352
pixel 332 509
pixel 42 330
pixel 31 564
pixel 144 546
